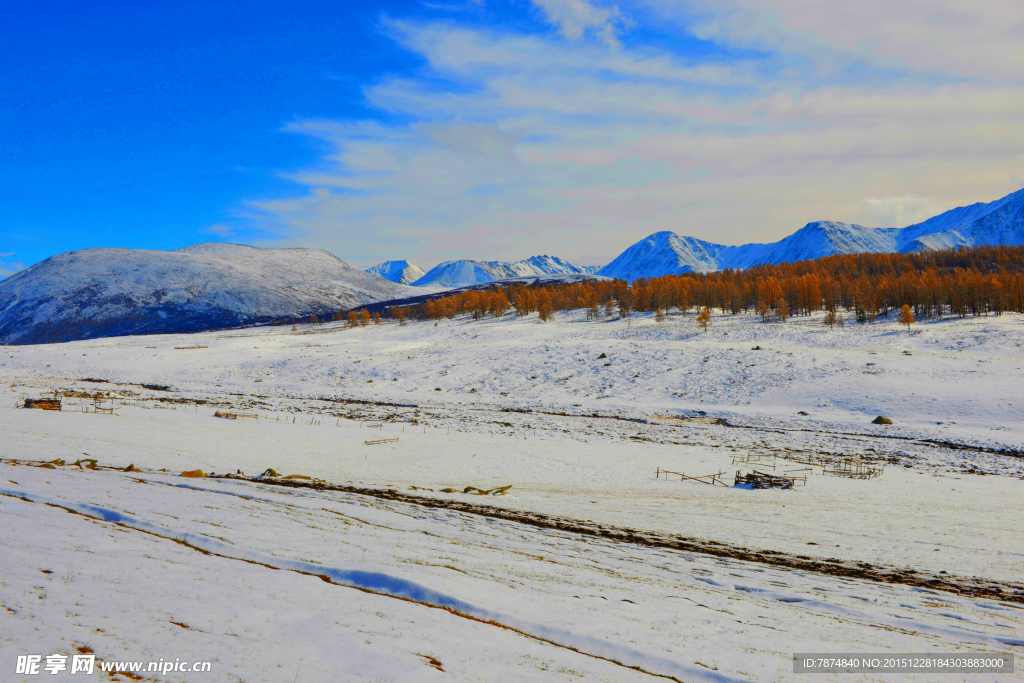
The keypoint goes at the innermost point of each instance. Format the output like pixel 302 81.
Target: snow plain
pixel 512 402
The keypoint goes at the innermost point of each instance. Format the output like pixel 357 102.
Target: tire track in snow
pixel 960 585
pixel 383 584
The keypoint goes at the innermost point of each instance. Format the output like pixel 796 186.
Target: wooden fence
pixel 711 479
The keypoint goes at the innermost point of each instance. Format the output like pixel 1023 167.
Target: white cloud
pixel 965 37
pixel 579 149
pixel 479 139
pixel 899 212
pixel 575 18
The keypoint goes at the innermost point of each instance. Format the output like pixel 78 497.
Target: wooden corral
pixel 850 466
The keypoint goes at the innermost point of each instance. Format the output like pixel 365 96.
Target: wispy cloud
pixel 219 230
pixel 899 212
pixel 8 266
pixel 963 37
pixel 575 18
pixel 570 143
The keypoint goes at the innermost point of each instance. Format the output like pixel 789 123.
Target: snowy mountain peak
pixel 546 265
pixel 663 253
pixel 402 272
pixel 466 272
pixel 820 238
pixel 457 273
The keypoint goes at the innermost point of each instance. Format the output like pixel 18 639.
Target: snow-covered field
pixel 588 565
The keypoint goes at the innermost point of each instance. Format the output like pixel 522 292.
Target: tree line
pixel 962 282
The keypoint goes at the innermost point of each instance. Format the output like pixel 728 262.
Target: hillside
pixel 109 292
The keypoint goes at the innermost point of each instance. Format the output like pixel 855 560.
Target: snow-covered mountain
pixel 466 272
pixel 814 240
pixel 108 292
pixel 666 253
pixel 458 273
pixel 998 222
pixel 402 272
pixel 541 265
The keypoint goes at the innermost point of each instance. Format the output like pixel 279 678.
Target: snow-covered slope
pixel 666 253
pixel 814 240
pixel 541 265
pixel 998 222
pixel 466 272
pixel 107 292
pixel 402 272
pixel 697 583
pixel 459 273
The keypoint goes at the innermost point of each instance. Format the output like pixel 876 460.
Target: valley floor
pixel 589 566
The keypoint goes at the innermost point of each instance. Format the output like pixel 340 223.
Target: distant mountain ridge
pixel 402 272
pixel 466 272
pixel 108 292
pixel 666 253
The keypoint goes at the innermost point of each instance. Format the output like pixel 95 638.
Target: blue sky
pixel 496 129
pixel 142 124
